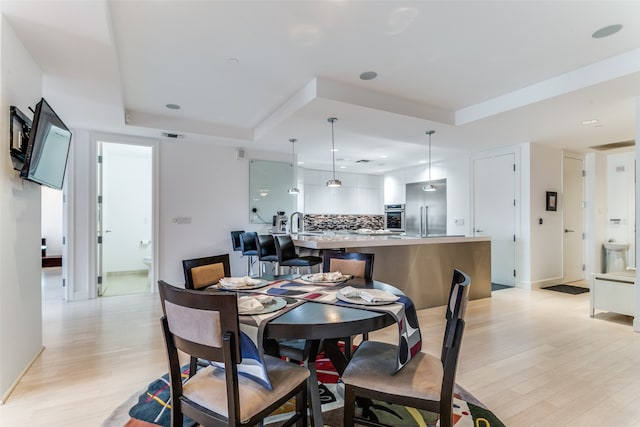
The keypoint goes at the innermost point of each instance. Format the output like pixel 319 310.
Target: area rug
pixel 149 408
pixel 567 289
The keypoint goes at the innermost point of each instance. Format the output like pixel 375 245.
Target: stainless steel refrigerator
pixel 426 211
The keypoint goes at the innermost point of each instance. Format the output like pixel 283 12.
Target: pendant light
pixel 333 182
pixel 429 186
pixel 293 189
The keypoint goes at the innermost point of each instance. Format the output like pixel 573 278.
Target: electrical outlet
pixel 181 220
pixel 458 221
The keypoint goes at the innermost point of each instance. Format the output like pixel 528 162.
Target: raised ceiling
pixel 483 74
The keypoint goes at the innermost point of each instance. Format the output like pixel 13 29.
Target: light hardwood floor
pixel 535 358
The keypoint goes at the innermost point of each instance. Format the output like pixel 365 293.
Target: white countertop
pixel 353 240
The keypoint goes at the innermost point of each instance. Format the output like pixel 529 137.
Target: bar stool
pixel 266 251
pixel 235 240
pixel 287 256
pixel 249 249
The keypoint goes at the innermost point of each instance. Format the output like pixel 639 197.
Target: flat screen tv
pixel 47 151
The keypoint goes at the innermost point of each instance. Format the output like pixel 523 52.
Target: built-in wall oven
pixel 394 217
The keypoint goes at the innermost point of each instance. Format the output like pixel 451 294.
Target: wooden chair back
pixel 355 263
pixel 202 272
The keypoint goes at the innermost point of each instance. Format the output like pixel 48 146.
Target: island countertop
pixel 421 267
pixel 354 240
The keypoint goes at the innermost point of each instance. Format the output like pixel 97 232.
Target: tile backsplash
pixel 320 222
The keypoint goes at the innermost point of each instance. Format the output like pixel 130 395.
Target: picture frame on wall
pixel 552 201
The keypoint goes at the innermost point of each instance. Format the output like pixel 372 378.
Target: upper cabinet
pixel 359 194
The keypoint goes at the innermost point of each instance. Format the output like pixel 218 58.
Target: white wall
pixel 359 194
pixel 52 219
pixel 546 238
pixel 20 291
pixel 595 215
pixel 203 182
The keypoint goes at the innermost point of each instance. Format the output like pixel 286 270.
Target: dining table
pixel 317 320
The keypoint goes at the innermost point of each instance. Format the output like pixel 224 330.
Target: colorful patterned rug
pixel 150 409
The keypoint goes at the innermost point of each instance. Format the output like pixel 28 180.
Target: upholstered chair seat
pixel 208 388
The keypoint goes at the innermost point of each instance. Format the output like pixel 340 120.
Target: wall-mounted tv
pixel 44 156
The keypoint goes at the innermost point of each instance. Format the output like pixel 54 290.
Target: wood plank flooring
pixel 535 358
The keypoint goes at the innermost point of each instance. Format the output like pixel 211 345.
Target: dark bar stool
pixel 249 248
pixel 287 256
pixel 266 251
pixel 235 240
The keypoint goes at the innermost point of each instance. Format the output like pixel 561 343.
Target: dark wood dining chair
pixel 357 264
pixel 426 382
pixel 213 396
pixel 202 272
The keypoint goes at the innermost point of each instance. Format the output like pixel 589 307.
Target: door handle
pixel 566 230
pixel 107 231
pixel 479 231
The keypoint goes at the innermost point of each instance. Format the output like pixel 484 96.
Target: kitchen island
pixel 421 267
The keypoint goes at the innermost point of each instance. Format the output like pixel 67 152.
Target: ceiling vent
pixel 363 161
pixel 172 135
pixel 614 145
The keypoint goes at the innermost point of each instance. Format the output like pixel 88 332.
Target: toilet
pixel 615 257
pixel 147 261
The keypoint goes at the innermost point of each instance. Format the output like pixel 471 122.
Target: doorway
pixel 494 213
pixel 124 218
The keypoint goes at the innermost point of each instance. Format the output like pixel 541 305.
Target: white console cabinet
pixel 614 292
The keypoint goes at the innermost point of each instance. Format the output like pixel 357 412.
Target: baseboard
pixel 12 387
pixel 126 273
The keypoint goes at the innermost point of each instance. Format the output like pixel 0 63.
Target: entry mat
pixel 567 289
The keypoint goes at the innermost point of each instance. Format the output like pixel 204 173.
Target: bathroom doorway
pixel 124 218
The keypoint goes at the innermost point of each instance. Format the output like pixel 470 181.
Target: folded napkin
pixel 238 282
pixel 326 277
pixel 253 303
pixel 369 295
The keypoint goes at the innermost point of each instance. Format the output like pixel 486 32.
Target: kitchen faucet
pixel 299 224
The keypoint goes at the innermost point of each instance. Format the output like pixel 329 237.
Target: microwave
pixel 394 217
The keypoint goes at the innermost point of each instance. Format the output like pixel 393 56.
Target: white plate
pixel 276 304
pixel 262 284
pixel 360 301
pixel 307 277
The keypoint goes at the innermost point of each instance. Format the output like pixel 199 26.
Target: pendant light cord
pixel 333 147
pixel 430 132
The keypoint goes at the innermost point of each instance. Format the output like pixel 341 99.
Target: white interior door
pixel 572 217
pixel 494 212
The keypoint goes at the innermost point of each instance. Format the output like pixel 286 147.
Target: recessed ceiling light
pixel 590 122
pixel 301 163
pixel 422 162
pixel 343 167
pixel 173 106
pixel 607 31
pixel 335 150
pixel 368 75
pixel 382 156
